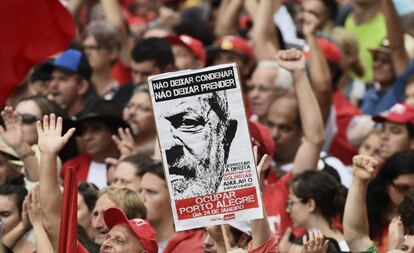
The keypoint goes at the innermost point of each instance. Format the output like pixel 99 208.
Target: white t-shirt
pixel 97 174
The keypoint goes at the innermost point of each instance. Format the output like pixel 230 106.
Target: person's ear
pixel 412 144
pixel 83 87
pixel 311 205
pixel 114 54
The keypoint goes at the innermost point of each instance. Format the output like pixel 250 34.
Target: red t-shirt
pixel 275 197
pixel 121 73
pixel 191 241
pixel 269 246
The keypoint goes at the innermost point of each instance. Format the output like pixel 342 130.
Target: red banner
pixel 219 203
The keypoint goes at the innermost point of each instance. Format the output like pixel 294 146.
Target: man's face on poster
pixel 198 143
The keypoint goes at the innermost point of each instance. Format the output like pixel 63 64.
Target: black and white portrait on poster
pixel 205 145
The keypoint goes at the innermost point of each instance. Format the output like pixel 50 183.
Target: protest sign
pixel 205 146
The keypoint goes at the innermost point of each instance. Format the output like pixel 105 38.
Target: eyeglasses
pixel 92 47
pixel 290 203
pixel 28 118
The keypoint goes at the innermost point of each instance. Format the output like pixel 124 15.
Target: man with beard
pixel 197 144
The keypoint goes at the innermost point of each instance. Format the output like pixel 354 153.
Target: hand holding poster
pixel 205 146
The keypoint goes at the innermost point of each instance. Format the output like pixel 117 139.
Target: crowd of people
pixel 328 91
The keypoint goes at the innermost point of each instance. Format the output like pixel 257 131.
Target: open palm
pixel 13 131
pixel 50 139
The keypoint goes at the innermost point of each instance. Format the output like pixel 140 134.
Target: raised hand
pixel 33 206
pixel 13 134
pixel 291 59
pixel 50 139
pixel 315 243
pixel 395 234
pixel 262 166
pixel 125 142
pixel 27 224
pixel 364 167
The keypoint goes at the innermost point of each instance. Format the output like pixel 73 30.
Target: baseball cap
pixel 195 46
pixel 232 43
pixel 141 228
pixel 72 61
pixel 400 113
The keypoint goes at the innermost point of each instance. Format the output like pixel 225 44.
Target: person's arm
pixel 227 17
pixel 307 155
pixel 13 136
pixel 318 65
pixel 260 228
pixel 74 7
pixel 32 204
pixel 356 226
pixel 251 8
pixel 395 35
pixel 50 143
pixel 265 45
pixel 113 14
pixel 13 236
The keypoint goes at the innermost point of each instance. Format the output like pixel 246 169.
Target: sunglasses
pixel 28 118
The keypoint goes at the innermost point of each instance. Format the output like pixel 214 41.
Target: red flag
pixel 68 215
pixel 31 31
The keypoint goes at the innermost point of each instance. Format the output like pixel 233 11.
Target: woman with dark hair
pixel 19 131
pixel 14 218
pixel 87 196
pixel 386 192
pixel 315 200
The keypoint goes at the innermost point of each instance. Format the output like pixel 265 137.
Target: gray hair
pixel 142 88
pixel 283 79
pixel 105 34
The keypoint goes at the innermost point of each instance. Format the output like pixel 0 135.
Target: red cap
pixel 235 44
pixel 194 45
pixel 400 113
pixel 329 49
pixel 142 229
pixel 261 138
